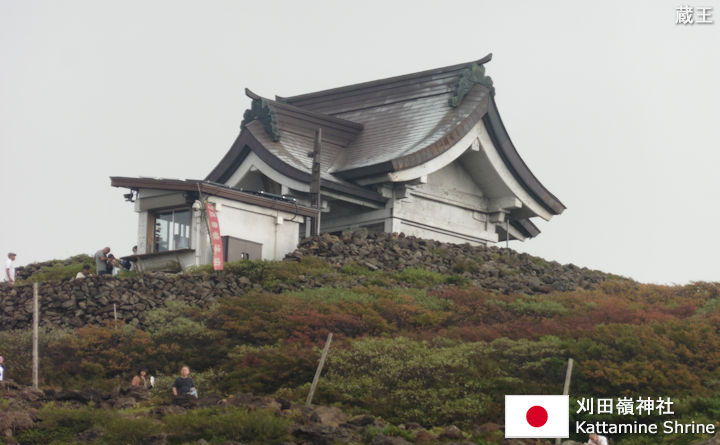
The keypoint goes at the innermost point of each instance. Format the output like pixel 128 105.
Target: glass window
pixel 172 230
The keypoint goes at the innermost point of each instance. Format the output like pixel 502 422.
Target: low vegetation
pixel 409 346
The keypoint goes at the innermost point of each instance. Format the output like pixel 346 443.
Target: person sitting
pixel 125 264
pixel 184 384
pixel 84 273
pixel 597 440
pixel 141 379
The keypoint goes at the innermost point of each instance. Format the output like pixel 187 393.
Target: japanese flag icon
pixel 537 417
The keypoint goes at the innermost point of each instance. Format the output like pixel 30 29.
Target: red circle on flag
pixel 536 416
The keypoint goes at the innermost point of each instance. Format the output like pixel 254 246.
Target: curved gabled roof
pixel 380 127
pixel 288 158
pixel 406 120
pixel 520 170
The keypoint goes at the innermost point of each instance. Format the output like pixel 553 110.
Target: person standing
pixel 2 370
pixel 101 259
pixel 9 274
pixel 184 384
pixel 112 265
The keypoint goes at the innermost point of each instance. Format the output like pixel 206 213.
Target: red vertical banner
pixel 215 238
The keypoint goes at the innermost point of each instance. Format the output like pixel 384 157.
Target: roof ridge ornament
pixel 262 111
pixel 471 75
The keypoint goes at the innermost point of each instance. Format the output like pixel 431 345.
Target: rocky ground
pixel 493 268
pixel 316 425
pixel 96 300
pixel 313 425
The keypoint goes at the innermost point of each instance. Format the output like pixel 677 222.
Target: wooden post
pixel 36 323
pixel 115 314
pixel 507 233
pixel 308 402
pixel 566 387
pixel 568 375
pixel 315 196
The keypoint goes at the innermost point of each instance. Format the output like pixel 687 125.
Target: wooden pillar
pixel 566 387
pixel 315 196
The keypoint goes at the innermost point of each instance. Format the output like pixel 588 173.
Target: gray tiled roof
pixel 379 127
pixel 400 116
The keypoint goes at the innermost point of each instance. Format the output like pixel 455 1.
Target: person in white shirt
pixel 84 273
pixel 2 370
pixel 597 440
pixel 9 274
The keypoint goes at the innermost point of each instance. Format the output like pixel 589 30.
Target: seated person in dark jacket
pixel 184 384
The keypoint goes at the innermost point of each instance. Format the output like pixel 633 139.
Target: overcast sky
pixel 613 106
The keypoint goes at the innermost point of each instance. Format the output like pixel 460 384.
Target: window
pixel 172 230
pixel 236 249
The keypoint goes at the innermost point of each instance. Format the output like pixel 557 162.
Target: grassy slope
pixel 415 346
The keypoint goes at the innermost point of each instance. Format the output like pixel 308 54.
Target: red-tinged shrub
pixel 314 326
pixel 652 377
pixel 473 333
pixel 255 318
pixel 95 352
pixel 265 369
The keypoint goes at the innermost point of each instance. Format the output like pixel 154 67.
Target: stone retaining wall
pixel 90 301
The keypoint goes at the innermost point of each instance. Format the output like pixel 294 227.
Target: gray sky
pixel 614 107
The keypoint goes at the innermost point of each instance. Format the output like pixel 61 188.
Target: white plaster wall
pixel 448 207
pixel 454 177
pixel 276 230
pixel 149 199
pixel 452 184
pixel 337 223
pixel 411 228
pixel 442 221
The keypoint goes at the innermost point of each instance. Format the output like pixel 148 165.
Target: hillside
pixel 424 333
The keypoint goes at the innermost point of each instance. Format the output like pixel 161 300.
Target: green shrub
pixel 458 280
pixel 214 424
pixel 17 351
pixel 461 265
pixel 57 270
pixel 390 430
pixel 710 306
pixel 181 337
pixel 123 430
pixel 174 321
pixel 59 423
pixel 43 436
pixel 404 380
pixel 421 277
pixel 335 294
pixel 354 269
pixel 530 305
pixel 265 369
